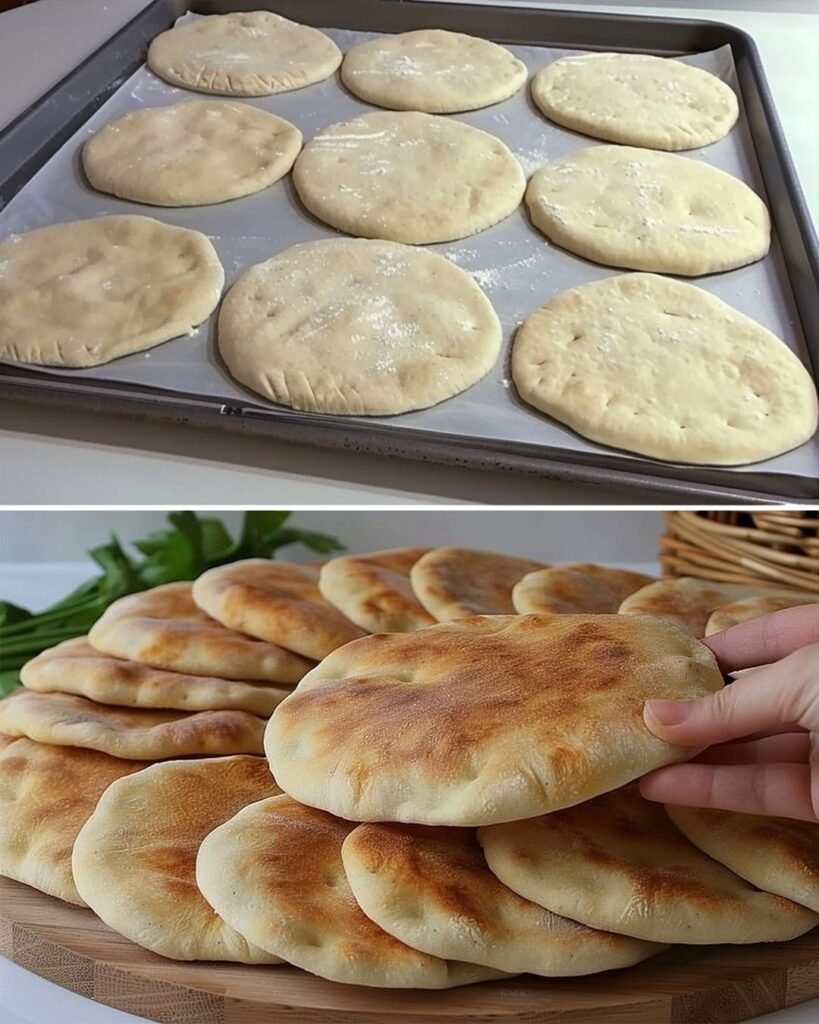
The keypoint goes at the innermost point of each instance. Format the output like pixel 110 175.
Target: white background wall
pixel 554 536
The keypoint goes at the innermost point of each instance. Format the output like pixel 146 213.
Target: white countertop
pixel 28 999
pixel 81 458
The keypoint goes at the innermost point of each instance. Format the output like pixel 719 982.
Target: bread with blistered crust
pixel 779 855
pixel 374 590
pixel 275 873
pixel 619 863
pixel 275 601
pixel 486 719
pixel 430 887
pixel 575 588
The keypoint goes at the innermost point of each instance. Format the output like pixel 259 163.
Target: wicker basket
pixel 777 548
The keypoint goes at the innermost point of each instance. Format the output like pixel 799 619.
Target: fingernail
pixel 666 712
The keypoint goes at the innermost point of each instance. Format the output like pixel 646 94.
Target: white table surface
pixel 83 458
pixel 28 999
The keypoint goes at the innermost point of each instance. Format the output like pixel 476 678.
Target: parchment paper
pixel 514 264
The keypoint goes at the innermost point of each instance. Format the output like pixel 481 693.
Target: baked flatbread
pixel 575 588
pixel 752 608
pixel 374 590
pixel 778 855
pixel 139 733
pixel 689 601
pixel 275 601
pixel 486 719
pixel 453 582
pixel 274 872
pixel 134 859
pixel 74 666
pixel 431 888
pixel 248 53
pixel 619 863
pixel 46 796
pixel 165 628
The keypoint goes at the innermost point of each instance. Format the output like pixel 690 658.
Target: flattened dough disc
pixel 89 291
pixel 665 369
pixel 357 327
pixel 432 70
pixel 637 208
pixel 252 53
pixel 408 177
pixel 191 154
pixel 636 99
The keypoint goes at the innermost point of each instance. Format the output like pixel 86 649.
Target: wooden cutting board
pixel 694 985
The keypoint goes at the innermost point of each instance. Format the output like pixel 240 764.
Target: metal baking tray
pixel 535 445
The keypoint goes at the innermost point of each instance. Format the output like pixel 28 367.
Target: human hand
pixel 773 710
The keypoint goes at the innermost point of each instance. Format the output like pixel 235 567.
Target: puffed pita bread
pixel 752 608
pixel 244 53
pixel 74 666
pixel 374 590
pixel 274 872
pixel 483 720
pixel 453 582
pixel 46 796
pixel 144 734
pixel 689 601
pixel 165 628
pixel 618 862
pixel 275 601
pixel 778 855
pixel 134 859
pixel 576 587
pixel 431 888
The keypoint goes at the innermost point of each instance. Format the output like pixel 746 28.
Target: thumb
pixel 760 700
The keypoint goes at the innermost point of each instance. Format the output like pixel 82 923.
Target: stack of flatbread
pixel 448 788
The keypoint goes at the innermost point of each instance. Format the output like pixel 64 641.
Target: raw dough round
pixel 255 53
pixel 665 369
pixel 649 211
pixel 89 291
pixel 636 99
pixel 432 70
pixel 191 154
pixel 408 177
pixel 358 327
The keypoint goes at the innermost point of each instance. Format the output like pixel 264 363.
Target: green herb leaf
pixel 9 680
pixel 12 613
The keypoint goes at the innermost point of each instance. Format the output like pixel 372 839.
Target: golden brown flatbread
pixel 274 872
pixel 46 796
pixel 619 863
pixel 61 719
pixel 486 719
pixel 74 666
pixel 374 590
pixel 453 582
pixel 575 588
pixel 275 601
pixel 165 628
